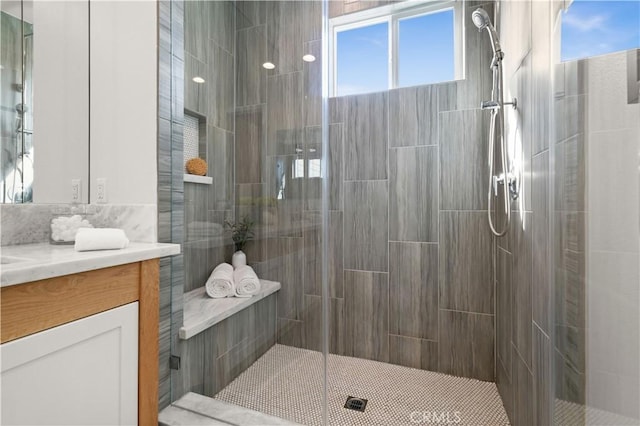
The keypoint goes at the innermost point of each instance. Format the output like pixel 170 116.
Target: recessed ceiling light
pixel 268 65
pixel 312 150
pixel 308 58
pixel 198 80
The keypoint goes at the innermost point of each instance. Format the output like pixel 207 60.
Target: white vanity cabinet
pixel 81 373
pixel 81 348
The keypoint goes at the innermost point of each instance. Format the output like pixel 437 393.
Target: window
pixel 362 56
pixel 314 168
pixel 297 168
pixel 404 44
pixel 421 61
pixel 591 28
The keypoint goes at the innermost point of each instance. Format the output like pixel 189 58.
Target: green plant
pixel 241 231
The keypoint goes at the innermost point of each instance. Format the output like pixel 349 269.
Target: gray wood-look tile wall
pixel 197 39
pixel 410 259
pixel 413 290
pixel 463 154
pixel 523 283
pixel 210 44
pixel 278 141
pixel 413 189
pixel 170 183
pixel 568 243
pixel 397 240
pixel 212 359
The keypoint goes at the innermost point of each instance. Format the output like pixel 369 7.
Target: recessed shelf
pixel 204 180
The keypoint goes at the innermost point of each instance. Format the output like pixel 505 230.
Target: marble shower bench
pixel 221 338
pixel 202 311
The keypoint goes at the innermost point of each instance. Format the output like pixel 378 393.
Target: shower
pixel 481 19
pixel 507 179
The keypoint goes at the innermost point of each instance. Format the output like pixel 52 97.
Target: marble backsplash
pixel 29 223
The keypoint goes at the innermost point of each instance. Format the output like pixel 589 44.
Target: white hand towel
pixel 220 282
pixel 100 239
pixel 246 280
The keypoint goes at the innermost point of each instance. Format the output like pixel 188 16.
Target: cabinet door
pixel 81 373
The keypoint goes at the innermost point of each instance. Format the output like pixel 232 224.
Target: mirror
pixel 44 114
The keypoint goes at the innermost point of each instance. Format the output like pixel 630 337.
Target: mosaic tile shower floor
pixel 287 382
pixel 570 413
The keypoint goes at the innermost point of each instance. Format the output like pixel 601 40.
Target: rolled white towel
pixel 100 239
pixel 220 282
pixel 246 280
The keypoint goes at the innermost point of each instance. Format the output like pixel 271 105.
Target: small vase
pixel 239 259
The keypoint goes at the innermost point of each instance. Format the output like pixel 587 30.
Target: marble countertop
pixel 32 262
pixel 202 312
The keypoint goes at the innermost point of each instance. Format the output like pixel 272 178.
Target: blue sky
pixel 425 54
pixel 426 49
pixel 362 60
pixel 592 28
pixel 589 28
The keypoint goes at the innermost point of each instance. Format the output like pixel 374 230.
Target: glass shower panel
pixel 612 146
pixel 253 82
pixel 596 251
pixel 407 224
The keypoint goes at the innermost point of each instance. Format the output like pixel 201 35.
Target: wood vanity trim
pixel 39 305
pixel 148 341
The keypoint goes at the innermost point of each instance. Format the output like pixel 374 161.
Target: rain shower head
pixel 481 19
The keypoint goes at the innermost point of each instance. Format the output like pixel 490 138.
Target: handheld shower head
pixel 481 19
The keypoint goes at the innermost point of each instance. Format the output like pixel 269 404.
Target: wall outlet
pixel 101 189
pixel 76 190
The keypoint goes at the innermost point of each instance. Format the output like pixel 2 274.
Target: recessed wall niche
pixel 195 144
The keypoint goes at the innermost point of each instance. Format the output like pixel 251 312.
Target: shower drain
pixel 357 404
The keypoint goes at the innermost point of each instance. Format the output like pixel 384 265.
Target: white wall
pixel 124 100
pixel 61 91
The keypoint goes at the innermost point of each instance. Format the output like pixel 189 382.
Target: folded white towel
pixel 246 281
pixel 220 282
pixel 100 239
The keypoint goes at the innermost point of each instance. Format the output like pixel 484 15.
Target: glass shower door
pixel 597 215
pixel 253 98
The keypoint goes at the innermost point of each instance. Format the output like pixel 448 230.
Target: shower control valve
pixel 490 105
pixel 497 180
pixel 512 181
